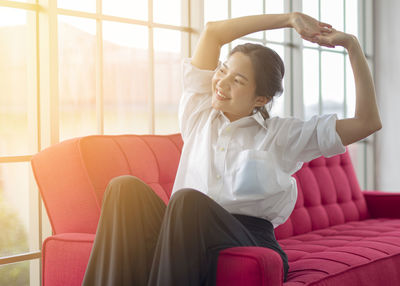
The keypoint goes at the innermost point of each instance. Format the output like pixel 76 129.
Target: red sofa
pixel 336 235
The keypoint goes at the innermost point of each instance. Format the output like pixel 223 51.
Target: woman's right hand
pixel 307 26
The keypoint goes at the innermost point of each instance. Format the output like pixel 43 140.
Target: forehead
pixel 240 63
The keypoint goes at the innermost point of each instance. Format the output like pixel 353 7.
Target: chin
pixel 215 105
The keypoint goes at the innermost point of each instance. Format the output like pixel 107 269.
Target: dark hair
pixel 268 70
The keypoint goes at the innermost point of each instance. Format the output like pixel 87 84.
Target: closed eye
pixel 222 70
pixel 239 82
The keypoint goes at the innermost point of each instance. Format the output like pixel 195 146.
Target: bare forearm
pixel 366 107
pixel 218 33
pixel 231 29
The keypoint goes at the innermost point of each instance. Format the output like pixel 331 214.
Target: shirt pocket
pixel 256 175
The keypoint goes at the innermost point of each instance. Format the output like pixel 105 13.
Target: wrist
pixel 350 43
pixel 291 18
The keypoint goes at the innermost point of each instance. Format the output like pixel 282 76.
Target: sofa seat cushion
pixel 363 253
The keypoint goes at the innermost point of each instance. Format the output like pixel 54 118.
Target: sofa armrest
pixel 250 265
pixel 383 204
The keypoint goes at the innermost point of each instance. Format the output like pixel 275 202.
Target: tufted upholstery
pixel 348 253
pixel 328 195
pixel 336 235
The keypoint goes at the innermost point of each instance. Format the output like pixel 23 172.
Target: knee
pixel 125 180
pixel 125 184
pixel 188 196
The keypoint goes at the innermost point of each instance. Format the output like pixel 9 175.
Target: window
pixel 73 69
pixel 318 80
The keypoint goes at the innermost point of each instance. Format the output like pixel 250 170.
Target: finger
pixel 308 33
pixel 310 39
pixel 326 30
pixel 325 24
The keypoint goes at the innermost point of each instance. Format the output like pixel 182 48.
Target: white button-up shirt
pixel 246 165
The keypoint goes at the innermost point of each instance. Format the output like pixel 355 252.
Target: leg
pixel 263 232
pixel 195 228
pixel 127 233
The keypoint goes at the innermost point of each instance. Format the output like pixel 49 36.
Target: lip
pixel 217 95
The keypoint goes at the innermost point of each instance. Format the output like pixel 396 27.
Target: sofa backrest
pixel 328 194
pixel 73 175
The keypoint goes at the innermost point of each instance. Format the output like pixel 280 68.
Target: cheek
pixel 213 83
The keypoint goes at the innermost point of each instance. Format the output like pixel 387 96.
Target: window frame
pixel 44 110
pixel 364 150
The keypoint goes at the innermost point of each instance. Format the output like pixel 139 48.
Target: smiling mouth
pixel 220 96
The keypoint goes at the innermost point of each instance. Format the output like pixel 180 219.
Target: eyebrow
pixel 239 74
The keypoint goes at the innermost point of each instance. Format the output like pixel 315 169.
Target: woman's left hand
pixel 331 38
pixel 307 26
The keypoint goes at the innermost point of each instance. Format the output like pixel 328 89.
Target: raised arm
pixel 218 33
pixel 366 119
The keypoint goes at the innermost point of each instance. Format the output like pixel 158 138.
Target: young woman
pixel 233 185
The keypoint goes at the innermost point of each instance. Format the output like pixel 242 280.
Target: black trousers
pixel 141 241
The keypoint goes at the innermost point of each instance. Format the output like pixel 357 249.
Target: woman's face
pixel 234 87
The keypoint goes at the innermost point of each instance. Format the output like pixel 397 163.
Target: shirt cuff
pixel 329 140
pixel 196 80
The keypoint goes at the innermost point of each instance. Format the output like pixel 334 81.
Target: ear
pixel 261 101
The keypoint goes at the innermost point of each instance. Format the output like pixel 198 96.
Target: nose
pixel 224 83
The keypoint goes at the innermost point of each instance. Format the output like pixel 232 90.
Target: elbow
pixel 210 28
pixel 371 124
pixel 376 126
pixel 212 31
pixel 379 127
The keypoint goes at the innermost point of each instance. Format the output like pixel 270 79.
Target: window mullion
pixel 294 83
pixel 99 69
pixel 151 69
pixel 49 95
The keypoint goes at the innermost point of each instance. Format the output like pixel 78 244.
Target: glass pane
pixel 310 83
pixel 223 56
pixel 24 1
pixel 310 7
pixel 168 79
pixel 274 7
pixel 77 76
pixel 168 12
pixel 136 9
pixel 17 82
pixel 350 90
pixel 357 155
pixel 246 8
pixel 79 5
pixel 332 13
pixel 277 107
pixel 21 273
pixel 215 10
pixel 18 209
pixel 332 69
pixel 126 78
pixel 16 274
pixel 352 17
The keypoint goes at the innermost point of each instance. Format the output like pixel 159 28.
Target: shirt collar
pixel 260 119
pixel 256 116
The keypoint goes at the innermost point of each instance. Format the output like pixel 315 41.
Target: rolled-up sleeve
pixel 195 102
pixel 303 141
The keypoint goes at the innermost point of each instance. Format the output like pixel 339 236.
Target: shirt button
pixel 222 149
pixel 218 177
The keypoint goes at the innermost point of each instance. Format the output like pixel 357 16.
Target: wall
pixel 387 83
